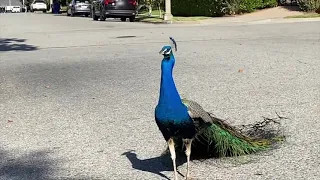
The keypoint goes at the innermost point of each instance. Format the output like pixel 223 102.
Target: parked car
pixel 38 5
pixel 12 9
pixel 79 7
pixel 16 9
pixel 8 8
pixel 123 9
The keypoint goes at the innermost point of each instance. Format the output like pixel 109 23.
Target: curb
pixel 172 22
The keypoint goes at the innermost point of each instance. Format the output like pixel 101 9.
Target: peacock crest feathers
pixel 173 43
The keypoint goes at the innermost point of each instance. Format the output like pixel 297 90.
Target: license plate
pixel 120 3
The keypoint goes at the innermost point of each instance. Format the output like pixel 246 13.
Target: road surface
pixel 77 97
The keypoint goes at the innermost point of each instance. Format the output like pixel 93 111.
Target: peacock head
pixel 166 51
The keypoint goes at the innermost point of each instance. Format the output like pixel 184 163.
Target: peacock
pixel 183 119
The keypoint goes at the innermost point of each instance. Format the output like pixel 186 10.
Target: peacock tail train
pixel 220 139
pixel 227 141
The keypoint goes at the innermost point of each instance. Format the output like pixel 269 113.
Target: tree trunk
pixel 160 13
pixel 150 7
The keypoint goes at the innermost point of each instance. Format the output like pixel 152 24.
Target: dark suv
pixel 123 9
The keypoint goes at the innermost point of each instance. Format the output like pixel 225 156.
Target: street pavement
pixel 77 97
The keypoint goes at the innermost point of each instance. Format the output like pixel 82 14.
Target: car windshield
pixel 82 1
pixel 39 1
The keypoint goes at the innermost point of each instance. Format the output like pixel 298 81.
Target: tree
pixel 26 2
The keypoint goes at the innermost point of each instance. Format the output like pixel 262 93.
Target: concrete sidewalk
pixel 276 12
pixel 266 14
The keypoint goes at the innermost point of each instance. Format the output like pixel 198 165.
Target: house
pixel 8 5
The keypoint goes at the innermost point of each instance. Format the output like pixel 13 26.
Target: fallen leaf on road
pixel 240 70
pixel 9 121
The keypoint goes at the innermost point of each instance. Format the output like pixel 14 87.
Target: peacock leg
pixel 188 143
pixel 173 157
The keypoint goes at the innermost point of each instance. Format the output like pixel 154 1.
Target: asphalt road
pixel 77 97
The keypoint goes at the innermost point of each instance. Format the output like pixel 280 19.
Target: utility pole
pixel 51 2
pixel 23 6
pixel 168 16
pixel 10 5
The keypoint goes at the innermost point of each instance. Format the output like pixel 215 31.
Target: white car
pixel 16 9
pixel 38 5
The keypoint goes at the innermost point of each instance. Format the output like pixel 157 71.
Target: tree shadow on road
pixel 15 44
pixel 35 165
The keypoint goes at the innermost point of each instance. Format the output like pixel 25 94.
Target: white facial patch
pixel 167 51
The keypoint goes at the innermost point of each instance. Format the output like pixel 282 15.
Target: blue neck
pixel 169 95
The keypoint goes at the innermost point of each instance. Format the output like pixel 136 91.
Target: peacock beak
pixel 162 51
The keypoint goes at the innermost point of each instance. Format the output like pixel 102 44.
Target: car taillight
pixel 133 2
pixel 106 2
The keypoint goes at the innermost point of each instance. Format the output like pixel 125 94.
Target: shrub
pixel 308 5
pixel 198 7
pixel 250 5
pixel 218 7
pixel 269 3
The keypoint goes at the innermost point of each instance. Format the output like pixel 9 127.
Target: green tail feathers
pixel 221 139
pixel 225 140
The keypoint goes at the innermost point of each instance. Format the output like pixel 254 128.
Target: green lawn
pixel 153 13
pixel 307 15
pixel 63 8
pixel 155 17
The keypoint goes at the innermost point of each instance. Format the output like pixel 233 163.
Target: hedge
pixel 218 7
pixel 309 5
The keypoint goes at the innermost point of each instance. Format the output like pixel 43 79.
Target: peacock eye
pixel 167 51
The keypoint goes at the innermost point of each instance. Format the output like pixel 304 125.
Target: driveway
pixel 77 97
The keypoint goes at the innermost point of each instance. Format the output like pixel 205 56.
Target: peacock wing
pixel 197 113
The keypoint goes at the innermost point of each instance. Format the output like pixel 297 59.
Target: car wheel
pixel 102 17
pixel 86 15
pixel 132 18
pixel 94 16
pixel 44 11
pixel 123 19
